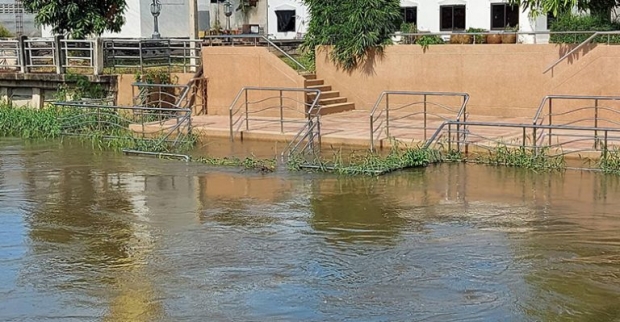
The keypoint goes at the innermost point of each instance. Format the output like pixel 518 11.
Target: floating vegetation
pixel 370 163
pixel 263 165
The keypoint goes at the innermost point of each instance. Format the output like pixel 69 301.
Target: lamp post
pixel 155 11
pixel 228 13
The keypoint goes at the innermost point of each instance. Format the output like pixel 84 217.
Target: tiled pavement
pixel 352 128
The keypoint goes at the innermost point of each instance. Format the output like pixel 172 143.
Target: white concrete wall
pixel 173 20
pixel 255 15
pixel 302 18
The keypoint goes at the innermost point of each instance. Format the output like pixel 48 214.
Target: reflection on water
pixel 90 235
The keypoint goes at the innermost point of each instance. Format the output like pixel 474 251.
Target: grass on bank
pixel 49 122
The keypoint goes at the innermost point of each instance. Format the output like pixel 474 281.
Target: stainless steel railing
pixel 254 106
pixel 412 111
pixel 569 139
pixel 594 114
pixel 582 44
pixel 252 40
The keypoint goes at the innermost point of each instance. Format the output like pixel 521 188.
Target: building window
pixel 504 15
pixel 452 17
pixel 410 14
pixel 286 20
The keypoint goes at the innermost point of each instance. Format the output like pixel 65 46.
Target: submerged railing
pixel 294 110
pixel 559 129
pixel 414 112
pixel 552 113
pixel 572 140
pixel 137 128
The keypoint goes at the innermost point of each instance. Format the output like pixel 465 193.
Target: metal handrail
pixel 234 108
pixel 255 38
pixel 534 127
pixel 549 98
pixel 585 42
pixel 374 116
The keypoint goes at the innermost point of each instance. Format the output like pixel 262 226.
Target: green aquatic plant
pixel 370 163
pixel 264 165
pixel 535 159
pixel 609 162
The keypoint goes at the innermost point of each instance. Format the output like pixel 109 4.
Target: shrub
pixel 571 22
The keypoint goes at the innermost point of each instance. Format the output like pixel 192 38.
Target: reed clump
pixel 609 162
pixel 535 159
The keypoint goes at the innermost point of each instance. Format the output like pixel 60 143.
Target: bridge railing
pixel 57 55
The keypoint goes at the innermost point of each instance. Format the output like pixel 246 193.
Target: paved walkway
pixel 352 128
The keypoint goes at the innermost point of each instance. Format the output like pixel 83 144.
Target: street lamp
pixel 228 13
pixel 155 11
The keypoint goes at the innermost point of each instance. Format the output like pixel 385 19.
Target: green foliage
pixel 539 160
pixel 77 17
pixel 5 33
pixel 599 8
pixel 570 22
pixel 76 87
pixel 424 40
pixel 370 163
pixel 263 165
pixel 306 59
pixel 479 39
pixel 156 76
pixel 357 30
pixel 30 123
pixel 609 162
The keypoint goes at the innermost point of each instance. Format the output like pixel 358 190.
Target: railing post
pixel 372 136
pixel 59 54
pixel 605 147
pixel 550 118
pixel 23 54
pixel 595 123
pixel 97 56
pixel 281 114
pixel 387 115
pixel 449 137
pixel 230 113
pixel 247 122
pixel 140 56
pixel 425 115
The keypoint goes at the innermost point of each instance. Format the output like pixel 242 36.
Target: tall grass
pixel 533 159
pixel 30 123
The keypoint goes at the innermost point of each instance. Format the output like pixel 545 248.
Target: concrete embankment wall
pixel 502 80
pixel 229 69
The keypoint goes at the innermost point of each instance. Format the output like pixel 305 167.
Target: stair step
pixel 332 100
pixel 322 88
pixel 314 82
pixel 326 94
pixel 309 76
pixel 337 108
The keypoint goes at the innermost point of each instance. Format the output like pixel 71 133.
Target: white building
pixel 288 19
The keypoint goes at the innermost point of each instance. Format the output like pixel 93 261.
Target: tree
pixel 354 28
pixel 79 18
pixel 599 8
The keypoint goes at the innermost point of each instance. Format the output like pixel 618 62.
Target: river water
pixel 95 236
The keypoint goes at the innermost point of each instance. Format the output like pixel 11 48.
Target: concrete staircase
pixel 331 102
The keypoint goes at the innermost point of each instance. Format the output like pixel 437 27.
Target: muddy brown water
pixel 96 236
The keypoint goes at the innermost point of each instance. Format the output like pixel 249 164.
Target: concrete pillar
pixel 38 98
pixel 59 54
pixel 98 56
pixel 193 32
pixel 6 95
pixel 23 54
